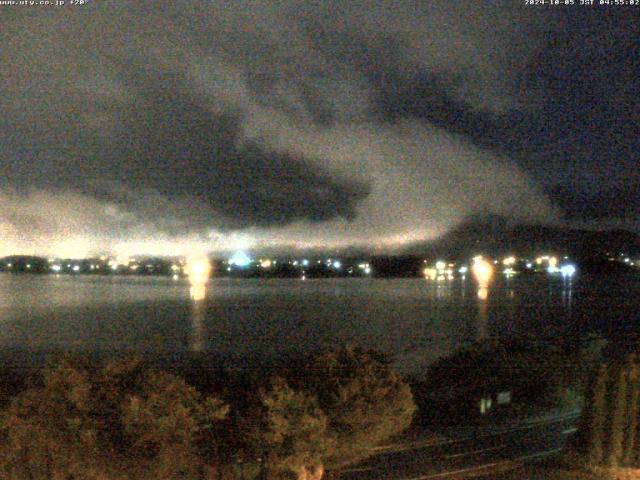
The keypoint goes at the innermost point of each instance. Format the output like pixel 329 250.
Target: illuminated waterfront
pixel 415 320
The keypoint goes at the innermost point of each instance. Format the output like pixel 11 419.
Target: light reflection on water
pixel 198 296
pixel 483 310
pixel 415 320
pixel 198 272
pixel 567 293
pixel 483 274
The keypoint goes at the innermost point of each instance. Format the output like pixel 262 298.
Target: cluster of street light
pixel 483 269
pixel 242 261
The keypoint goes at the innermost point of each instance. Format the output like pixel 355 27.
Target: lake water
pixel 414 320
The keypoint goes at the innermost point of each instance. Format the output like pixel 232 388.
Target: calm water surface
pixel 413 320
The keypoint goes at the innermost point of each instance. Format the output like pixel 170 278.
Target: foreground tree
pixel 365 401
pixel 116 421
pixel 333 410
pixel 289 434
pixel 87 420
pixel 167 422
pixel 49 432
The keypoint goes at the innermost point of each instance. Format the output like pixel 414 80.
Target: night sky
pixel 164 127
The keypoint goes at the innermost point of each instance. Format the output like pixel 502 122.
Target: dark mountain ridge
pixel 498 236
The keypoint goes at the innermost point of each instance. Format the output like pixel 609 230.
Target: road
pixel 468 454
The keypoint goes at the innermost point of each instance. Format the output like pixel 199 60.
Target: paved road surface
pixel 470 453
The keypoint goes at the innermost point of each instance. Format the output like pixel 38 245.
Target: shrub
pixel 538 373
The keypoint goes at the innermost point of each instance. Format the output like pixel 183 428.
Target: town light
pixel 430 273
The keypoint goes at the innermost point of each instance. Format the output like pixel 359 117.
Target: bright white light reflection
pixel 198 291
pixel 483 293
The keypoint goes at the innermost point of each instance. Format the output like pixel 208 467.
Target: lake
pixel 414 320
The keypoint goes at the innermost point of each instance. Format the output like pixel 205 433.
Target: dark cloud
pixel 577 129
pixel 185 151
pixel 584 203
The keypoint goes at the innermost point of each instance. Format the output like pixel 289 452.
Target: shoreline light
pixel 198 270
pixel 568 270
pixel 430 273
pixel 240 259
pixel 482 271
pixel 509 261
pixel 266 263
